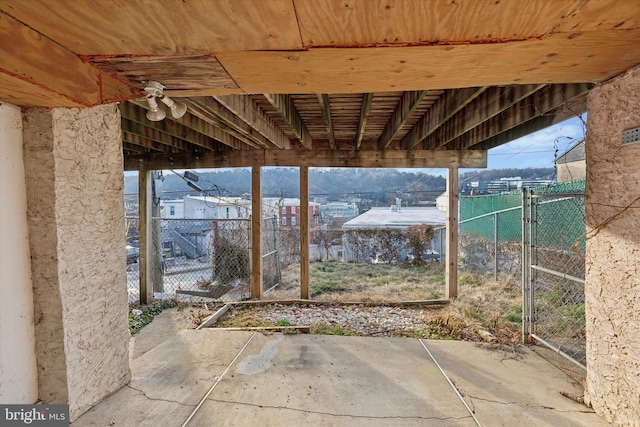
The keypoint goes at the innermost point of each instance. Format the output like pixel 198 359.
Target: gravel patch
pixel 358 319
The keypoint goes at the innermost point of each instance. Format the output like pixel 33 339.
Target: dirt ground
pixel 486 310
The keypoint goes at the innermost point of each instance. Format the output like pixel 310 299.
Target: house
pixel 380 234
pixel 213 207
pixel 288 211
pixel 571 165
pixel 339 210
pixel 172 208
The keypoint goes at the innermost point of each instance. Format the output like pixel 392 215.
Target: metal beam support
pixel 451 273
pixel 304 232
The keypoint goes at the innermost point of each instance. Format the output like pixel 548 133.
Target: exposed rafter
pixel 215 113
pixel 139 134
pixel 284 105
pixel 542 102
pixel 364 116
pixel 197 134
pixel 245 109
pixel 406 107
pixel 487 105
pixel 449 104
pixel 325 107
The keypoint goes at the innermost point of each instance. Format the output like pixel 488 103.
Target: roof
pixel 366 83
pixel 387 218
pixel 573 154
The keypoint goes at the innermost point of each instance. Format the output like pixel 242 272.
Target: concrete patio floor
pixel 223 378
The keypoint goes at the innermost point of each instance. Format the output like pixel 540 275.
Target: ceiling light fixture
pixel 155 114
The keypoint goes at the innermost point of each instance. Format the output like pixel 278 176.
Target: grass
pixel 482 303
pixel 140 316
pixel 338 282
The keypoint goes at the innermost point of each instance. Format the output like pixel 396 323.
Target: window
pixel 284 220
pixel 293 220
pixel 227 212
pixel 172 210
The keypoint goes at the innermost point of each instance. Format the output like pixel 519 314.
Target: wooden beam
pixel 589 56
pixel 229 121
pixel 542 102
pixel 53 70
pixel 325 107
pixel 152 138
pixel 451 273
pixel 134 113
pixel 145 201
pixel 405 108
pixel 487 105
pixel 142 144
pixel 364 116
pixel 285 106
pixel 312 158
pixel 256 232
pixel 304 232
pixel 445 107
pixel 245 109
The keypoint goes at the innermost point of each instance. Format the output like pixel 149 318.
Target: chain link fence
pixel 205 259
pixel 555 253
pixel 492 243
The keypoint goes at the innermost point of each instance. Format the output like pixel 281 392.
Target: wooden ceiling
pixel 318 82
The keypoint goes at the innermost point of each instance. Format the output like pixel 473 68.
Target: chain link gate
pixel 553 250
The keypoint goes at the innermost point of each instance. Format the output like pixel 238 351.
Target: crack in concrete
pixel 308 411
pixel 159 399
pixel 527 405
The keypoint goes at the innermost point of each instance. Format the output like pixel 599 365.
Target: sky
pixel 537 150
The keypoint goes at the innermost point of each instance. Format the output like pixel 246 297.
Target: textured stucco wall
pixel 73 159
pixel 18 374
pixel 612 290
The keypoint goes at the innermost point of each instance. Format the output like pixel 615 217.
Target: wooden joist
pixel 284 105
pixel 364 116
pixel 325 108
pixel 408 104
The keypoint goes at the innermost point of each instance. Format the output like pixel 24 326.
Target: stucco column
pixel 75 210
pixel 612 289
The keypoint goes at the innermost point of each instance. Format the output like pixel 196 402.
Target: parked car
pixel 133 254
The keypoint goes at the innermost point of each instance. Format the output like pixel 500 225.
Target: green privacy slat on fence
pixel 476 218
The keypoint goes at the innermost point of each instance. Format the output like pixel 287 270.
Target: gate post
pixel 525 268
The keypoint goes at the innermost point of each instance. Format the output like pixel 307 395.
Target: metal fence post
pixel 495 245
pixel 525 269
pixel 532 261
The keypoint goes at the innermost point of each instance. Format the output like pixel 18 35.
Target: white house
pixel 380 233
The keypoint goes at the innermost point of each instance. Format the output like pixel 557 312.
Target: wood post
pixel 256 232
pixel 304 232
pixel 451 272
pixel 145 201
